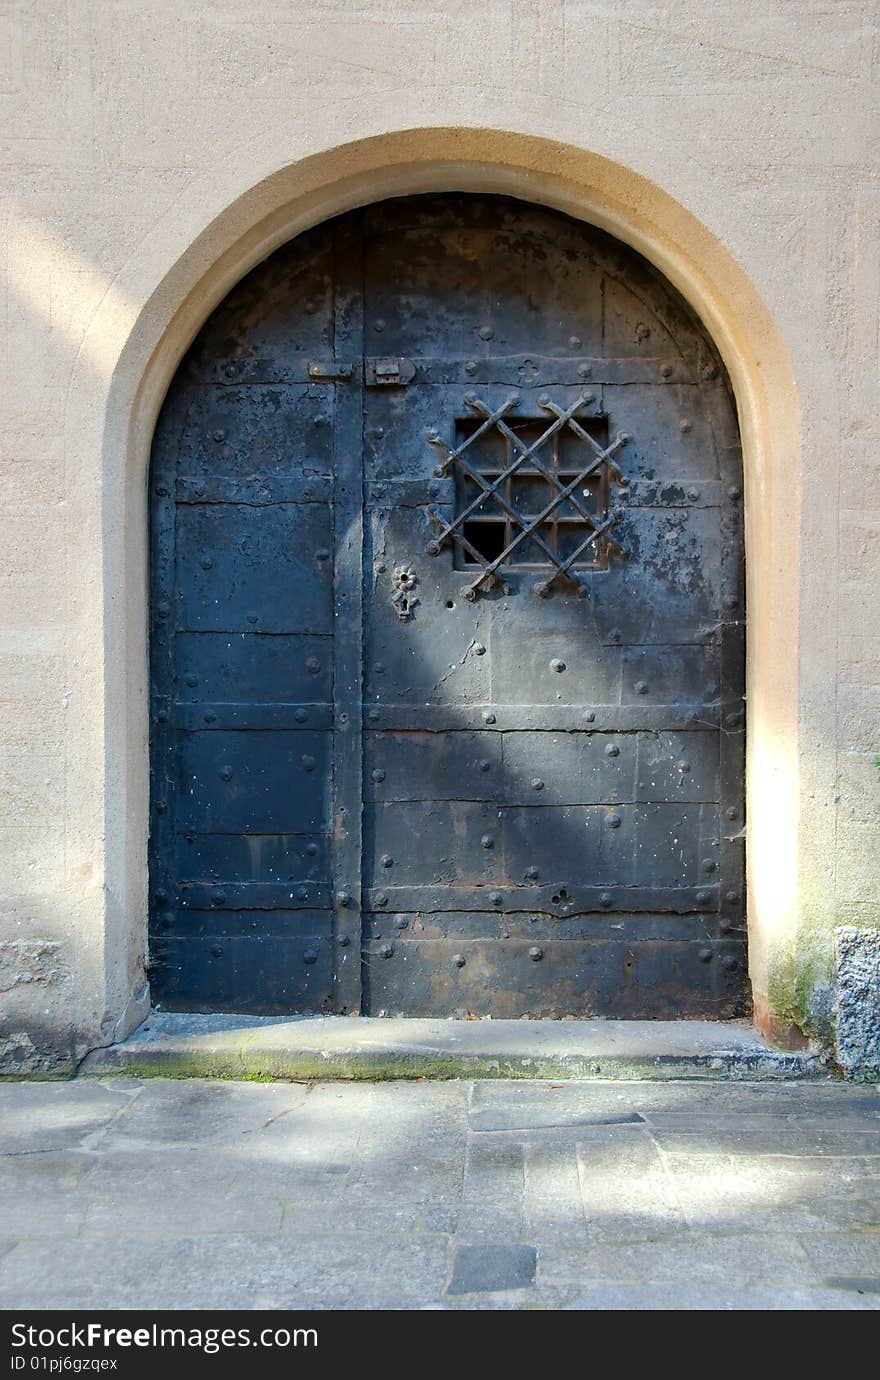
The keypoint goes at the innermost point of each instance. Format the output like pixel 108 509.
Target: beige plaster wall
pixel 152 152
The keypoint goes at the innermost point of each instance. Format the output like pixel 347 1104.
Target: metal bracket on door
pixel 388 373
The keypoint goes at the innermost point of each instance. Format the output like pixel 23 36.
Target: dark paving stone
pixel 483 1269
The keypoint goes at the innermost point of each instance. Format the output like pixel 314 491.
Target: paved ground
pixel 199 1194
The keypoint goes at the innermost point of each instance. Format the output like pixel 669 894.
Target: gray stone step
pixel 352 1047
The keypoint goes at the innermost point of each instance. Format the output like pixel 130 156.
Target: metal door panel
pixel 555 847
pixel 581 768
pixel 679 767
pixel 437 843
pixel 257 432
pixel 523 670
pixel 221 972
pixel 680 675
pixel 253 783
pixel 264 572
pixel 655 981
pixel 249 668
pixel 433 766
pixel 291 859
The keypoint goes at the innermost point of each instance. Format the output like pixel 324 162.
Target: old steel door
pixel 448 633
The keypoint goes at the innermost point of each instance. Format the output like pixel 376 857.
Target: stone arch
pixel 153 311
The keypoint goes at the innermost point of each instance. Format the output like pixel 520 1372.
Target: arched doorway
pixel 447 635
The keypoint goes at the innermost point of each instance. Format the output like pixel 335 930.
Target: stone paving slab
pixel 123 1193
pixel 175 1045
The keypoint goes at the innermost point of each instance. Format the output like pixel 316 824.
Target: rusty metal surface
pixel 447 643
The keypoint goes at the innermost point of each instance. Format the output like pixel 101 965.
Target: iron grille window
pixel 491 527
pixel 530 493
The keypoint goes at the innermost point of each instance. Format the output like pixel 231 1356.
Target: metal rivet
pixel 641 687
pixel 401 922
pixel 487 841
pixel 301 716
pixel 731 601
pixel 191 681
pixel 379 668
pixel 219 434
pixel 470 398
pixel 693 495
pixel 574 342
pixel 382 899
pixel 485 764
pixel 488 716
pixel 542 589
pixel 544 400
pixel 732 812
pixel 705 955
pixel 486 333
pixel 537 783
pixel 433 548
pixel 612 750
pixel 684 425
pixel 532 874
pixel 386 951
pixel 732 897
pixel 709 864
pixel 379 325
pixel 226 774
pixel 496 898
pixel 373 715
pixel 458 960
pixel 210 718
pixel 343 898
pixel 557 665
pixel 163 608
pixel 432 433
pixel 665 371
pixel 206 563
pixel 710 371
pixel 615 635
pixel 161 491
pixel 703 897
pixel 684 766
pixel 470 367
pixel 253 618
pixel 536 954
pixel 302 893
pixel 312 849
pixel 344 941
pixel 589 717
pixel 378 775
pixel 605 898
pixel 308 762
pixel 734 492
pixel 731 964
pixel 219 898
pixel 386 860
pixel 216 951
pixel 322 554
pixel 613 821
pixel 231 370
pixel 583 371
pixel 479 649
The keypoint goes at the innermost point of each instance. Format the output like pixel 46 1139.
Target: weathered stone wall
pixel 152 150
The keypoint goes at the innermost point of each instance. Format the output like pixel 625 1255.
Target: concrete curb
pixel 171 1045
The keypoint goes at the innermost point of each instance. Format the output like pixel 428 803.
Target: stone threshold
pixel 308 1048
